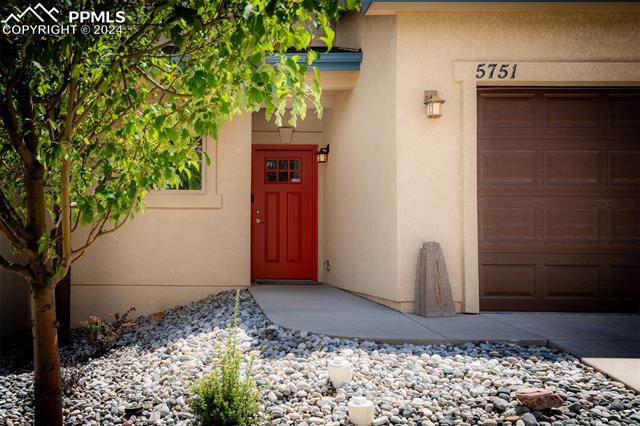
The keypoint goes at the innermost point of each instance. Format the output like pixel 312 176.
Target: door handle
pixel 258 220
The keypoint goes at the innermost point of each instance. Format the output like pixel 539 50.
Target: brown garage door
pixel 559 199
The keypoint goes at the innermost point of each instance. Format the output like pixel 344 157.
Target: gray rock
pixel 616 405
pixel 163 409
pixel 276 411
pixel 529 419
pixel 500 404
pixel 575 407
pixel 382 420
pixel 430 384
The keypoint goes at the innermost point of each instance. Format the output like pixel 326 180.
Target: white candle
pixel 339 371
pixel 360 411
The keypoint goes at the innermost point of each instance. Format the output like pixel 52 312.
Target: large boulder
pixel 537 399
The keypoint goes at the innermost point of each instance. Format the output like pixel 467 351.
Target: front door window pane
pixel 282 170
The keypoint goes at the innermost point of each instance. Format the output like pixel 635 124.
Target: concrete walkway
pixel 609 342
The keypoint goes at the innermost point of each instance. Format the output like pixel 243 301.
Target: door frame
pixel 530 73
pixel 314 200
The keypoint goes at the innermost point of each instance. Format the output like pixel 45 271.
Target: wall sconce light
pixel 435 104
pixel 322 156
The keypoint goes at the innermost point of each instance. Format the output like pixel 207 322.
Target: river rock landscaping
pixel 147 379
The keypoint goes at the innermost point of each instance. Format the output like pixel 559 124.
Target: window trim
pixel 203 176
pixel 205 198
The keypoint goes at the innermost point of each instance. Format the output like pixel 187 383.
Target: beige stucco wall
pixel 186 246
pixel 430 152
pixel 169 256
pixel 360 184
pixel 14 302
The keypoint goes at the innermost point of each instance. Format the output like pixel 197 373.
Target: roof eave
pixel 331 61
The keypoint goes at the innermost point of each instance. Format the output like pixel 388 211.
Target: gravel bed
pixel 409 384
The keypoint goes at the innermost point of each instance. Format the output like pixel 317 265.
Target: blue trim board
pixel 367 3
pixel 332 61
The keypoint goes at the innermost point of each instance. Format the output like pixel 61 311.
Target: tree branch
pixel 101 231
pixel 11 225
pixel 160 86
pixel 77 221
pixel 65 207
pixel 10 121
pixel 27 113
pixel 16 268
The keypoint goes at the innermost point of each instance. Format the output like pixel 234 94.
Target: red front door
pixel 283 212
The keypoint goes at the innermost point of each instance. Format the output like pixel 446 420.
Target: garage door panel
pixel 517 281
pixel 559 200
pixel 571 225
pixel 572 281
pixel 624 111
pixel 571 110
pixel 559 282
pixel 625 225
pixel 624 281
pixel 580 247
pixel 593 224
pixel 596 193
pixel 571 167
pixel 624 167
pixel 507 167
pixel 511 110
pixel 508 223
pixel 559 228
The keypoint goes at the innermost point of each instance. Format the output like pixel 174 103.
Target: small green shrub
pixel 71 374
pixel 226 396
pixel 101 335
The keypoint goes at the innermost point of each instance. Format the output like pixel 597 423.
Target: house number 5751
pixel 493 71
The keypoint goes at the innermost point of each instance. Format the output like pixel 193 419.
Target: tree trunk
pixel 47 387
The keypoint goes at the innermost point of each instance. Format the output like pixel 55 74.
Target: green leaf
pixel 43 244
pixel 255 96
pixel 200 127
pixel 171 133
pixel 158 122
pixel 311 56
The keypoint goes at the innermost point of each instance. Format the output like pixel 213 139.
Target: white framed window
pixel 192 178
pixel 196 188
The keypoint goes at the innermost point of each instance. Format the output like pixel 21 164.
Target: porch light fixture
pixel 339 371
pixel 434 103
pixel 322 156
pixel 360 411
